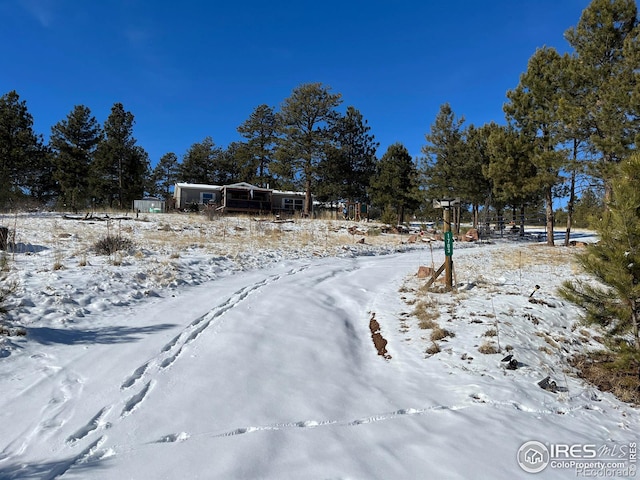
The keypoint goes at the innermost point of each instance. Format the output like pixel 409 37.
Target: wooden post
pixel 448 270
pixel 446 206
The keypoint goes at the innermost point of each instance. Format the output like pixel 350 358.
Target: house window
pixel 207 198
pixel 293 203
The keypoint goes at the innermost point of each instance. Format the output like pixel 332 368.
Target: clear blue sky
pixel 191 69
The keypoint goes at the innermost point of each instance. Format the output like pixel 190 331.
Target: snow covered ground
pixel 238 349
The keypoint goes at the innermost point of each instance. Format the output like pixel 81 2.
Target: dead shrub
pixel 111 244
pixel 433 349
pixel 439 333
pixel 487 348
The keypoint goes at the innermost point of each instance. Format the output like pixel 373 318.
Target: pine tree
pixel 346 171
pixel 40 176
pixel 229 168
pixel 306 123
pixel 473 185
pixel 511 171
pixel 572 107
pixel 199 163
pixel 533 109
pixel 395 184
pixel 74 141
pixel 444 154
pixel 260 131
pixel 614 300
pixel 23 157
pixel 120 168
pixel 164 176
pixel 608 59
pixel 588 208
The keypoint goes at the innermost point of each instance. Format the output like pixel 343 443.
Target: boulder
pixel 425 272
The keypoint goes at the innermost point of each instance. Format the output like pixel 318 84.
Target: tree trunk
pixel 572 196
pixel 550 220
pixel 475 210
pixel 570 206
pixel 307 197
pixel 634 324
pixel 522 207
pixel 400 214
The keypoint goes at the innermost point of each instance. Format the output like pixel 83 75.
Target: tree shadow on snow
pixel 49 470
pixel 106 335
pixel 26 248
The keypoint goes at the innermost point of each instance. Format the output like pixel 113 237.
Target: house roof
pixel 246 186
pixel 198 186
pixel 239 186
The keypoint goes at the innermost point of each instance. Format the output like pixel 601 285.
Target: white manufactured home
pixel 237 197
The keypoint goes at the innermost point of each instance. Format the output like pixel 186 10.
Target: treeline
pixel 570 117
pixel 308 144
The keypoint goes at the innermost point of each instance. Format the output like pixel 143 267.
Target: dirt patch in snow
pixel 378 340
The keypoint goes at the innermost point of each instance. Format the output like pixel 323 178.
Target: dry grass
pixel 492 332
pixel 427 312
pixel 439 333
pixel 229 236
pixel 433 349
pixel 533 255
pixel 600 369
pixel 488 348
pixel 547 338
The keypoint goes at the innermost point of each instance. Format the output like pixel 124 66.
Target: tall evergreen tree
pixel 74 141
pixel 346 170
pixel 605 41
pixel 306 122
pixel 572 108
pixel 473 186
pixel 199 163
pixel 260 131
pixel 23 157
pixel 444 155
pixel 614 301
pixel 588 208
pixel 43 187
pixel 120 167
pixel 511 171
pixel 228 167
pixel 395 184
pixel 164 176
pixel 239 163
pixel 533 109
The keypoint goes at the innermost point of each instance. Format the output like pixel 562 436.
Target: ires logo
pixel 560 451
pixel 589 460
